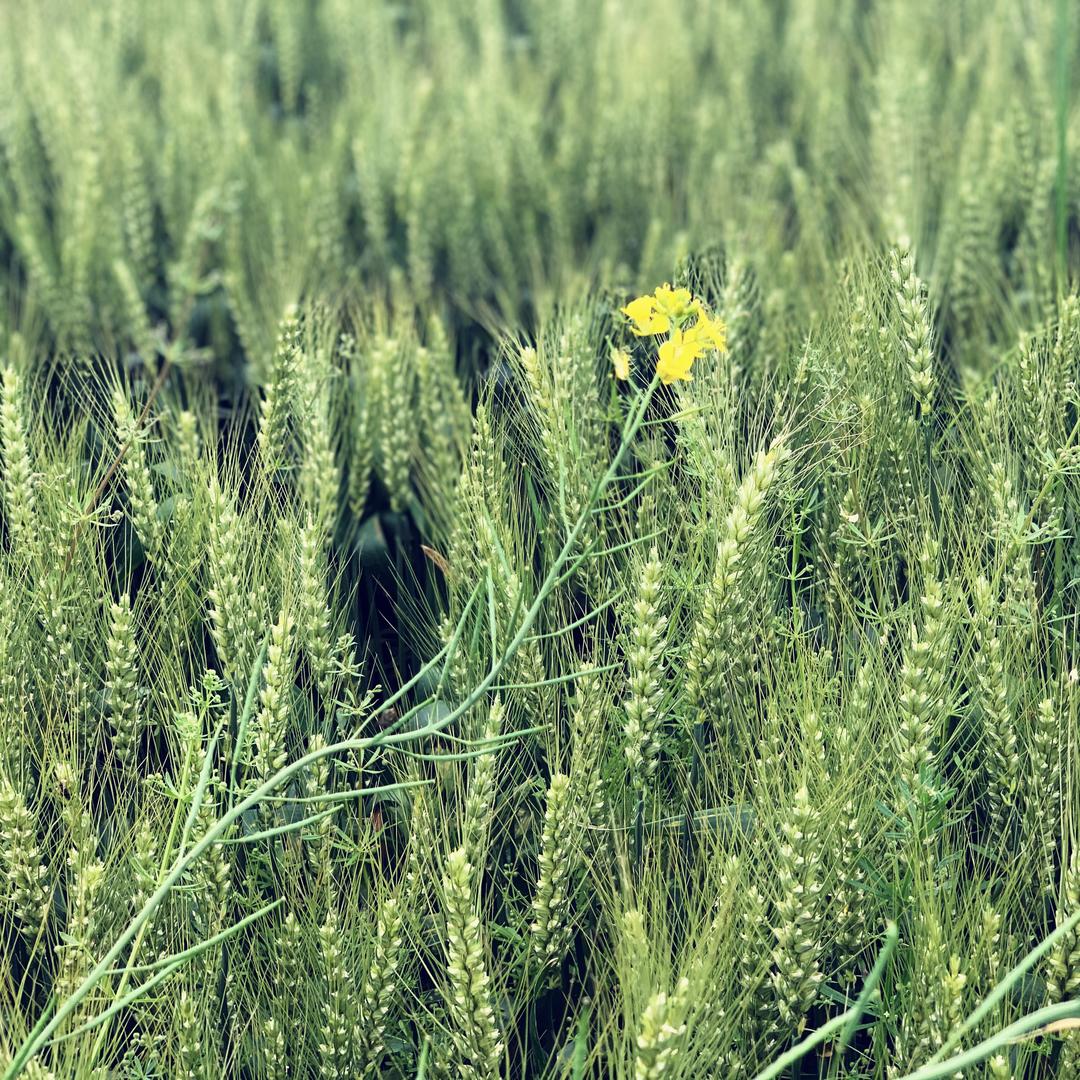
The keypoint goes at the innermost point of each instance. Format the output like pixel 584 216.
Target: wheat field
pixel 539 538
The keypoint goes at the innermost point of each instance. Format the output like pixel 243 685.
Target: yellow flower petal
pixel 640 310
pixel 675 358
pixel 710 333
pixel 643 314
pixel 620 361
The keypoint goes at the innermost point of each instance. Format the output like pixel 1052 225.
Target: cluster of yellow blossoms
pixel 683 318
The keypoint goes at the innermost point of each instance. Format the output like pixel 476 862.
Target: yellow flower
pixel 676 357
pixel 642 312
pixel 710 333
pixel 676 304
pixel 620 361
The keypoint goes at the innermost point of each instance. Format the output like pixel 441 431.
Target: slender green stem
pixel 846 1022
pixel 33 1044
pixel 997 1042
pixel 1006 984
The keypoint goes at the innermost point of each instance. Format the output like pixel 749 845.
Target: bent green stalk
pixel 34 1043
pixel 846 1022
pixel 999 1041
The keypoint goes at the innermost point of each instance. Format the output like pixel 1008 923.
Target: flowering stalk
pixel 392 735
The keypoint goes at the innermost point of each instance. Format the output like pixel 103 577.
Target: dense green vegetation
pixel 419 659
